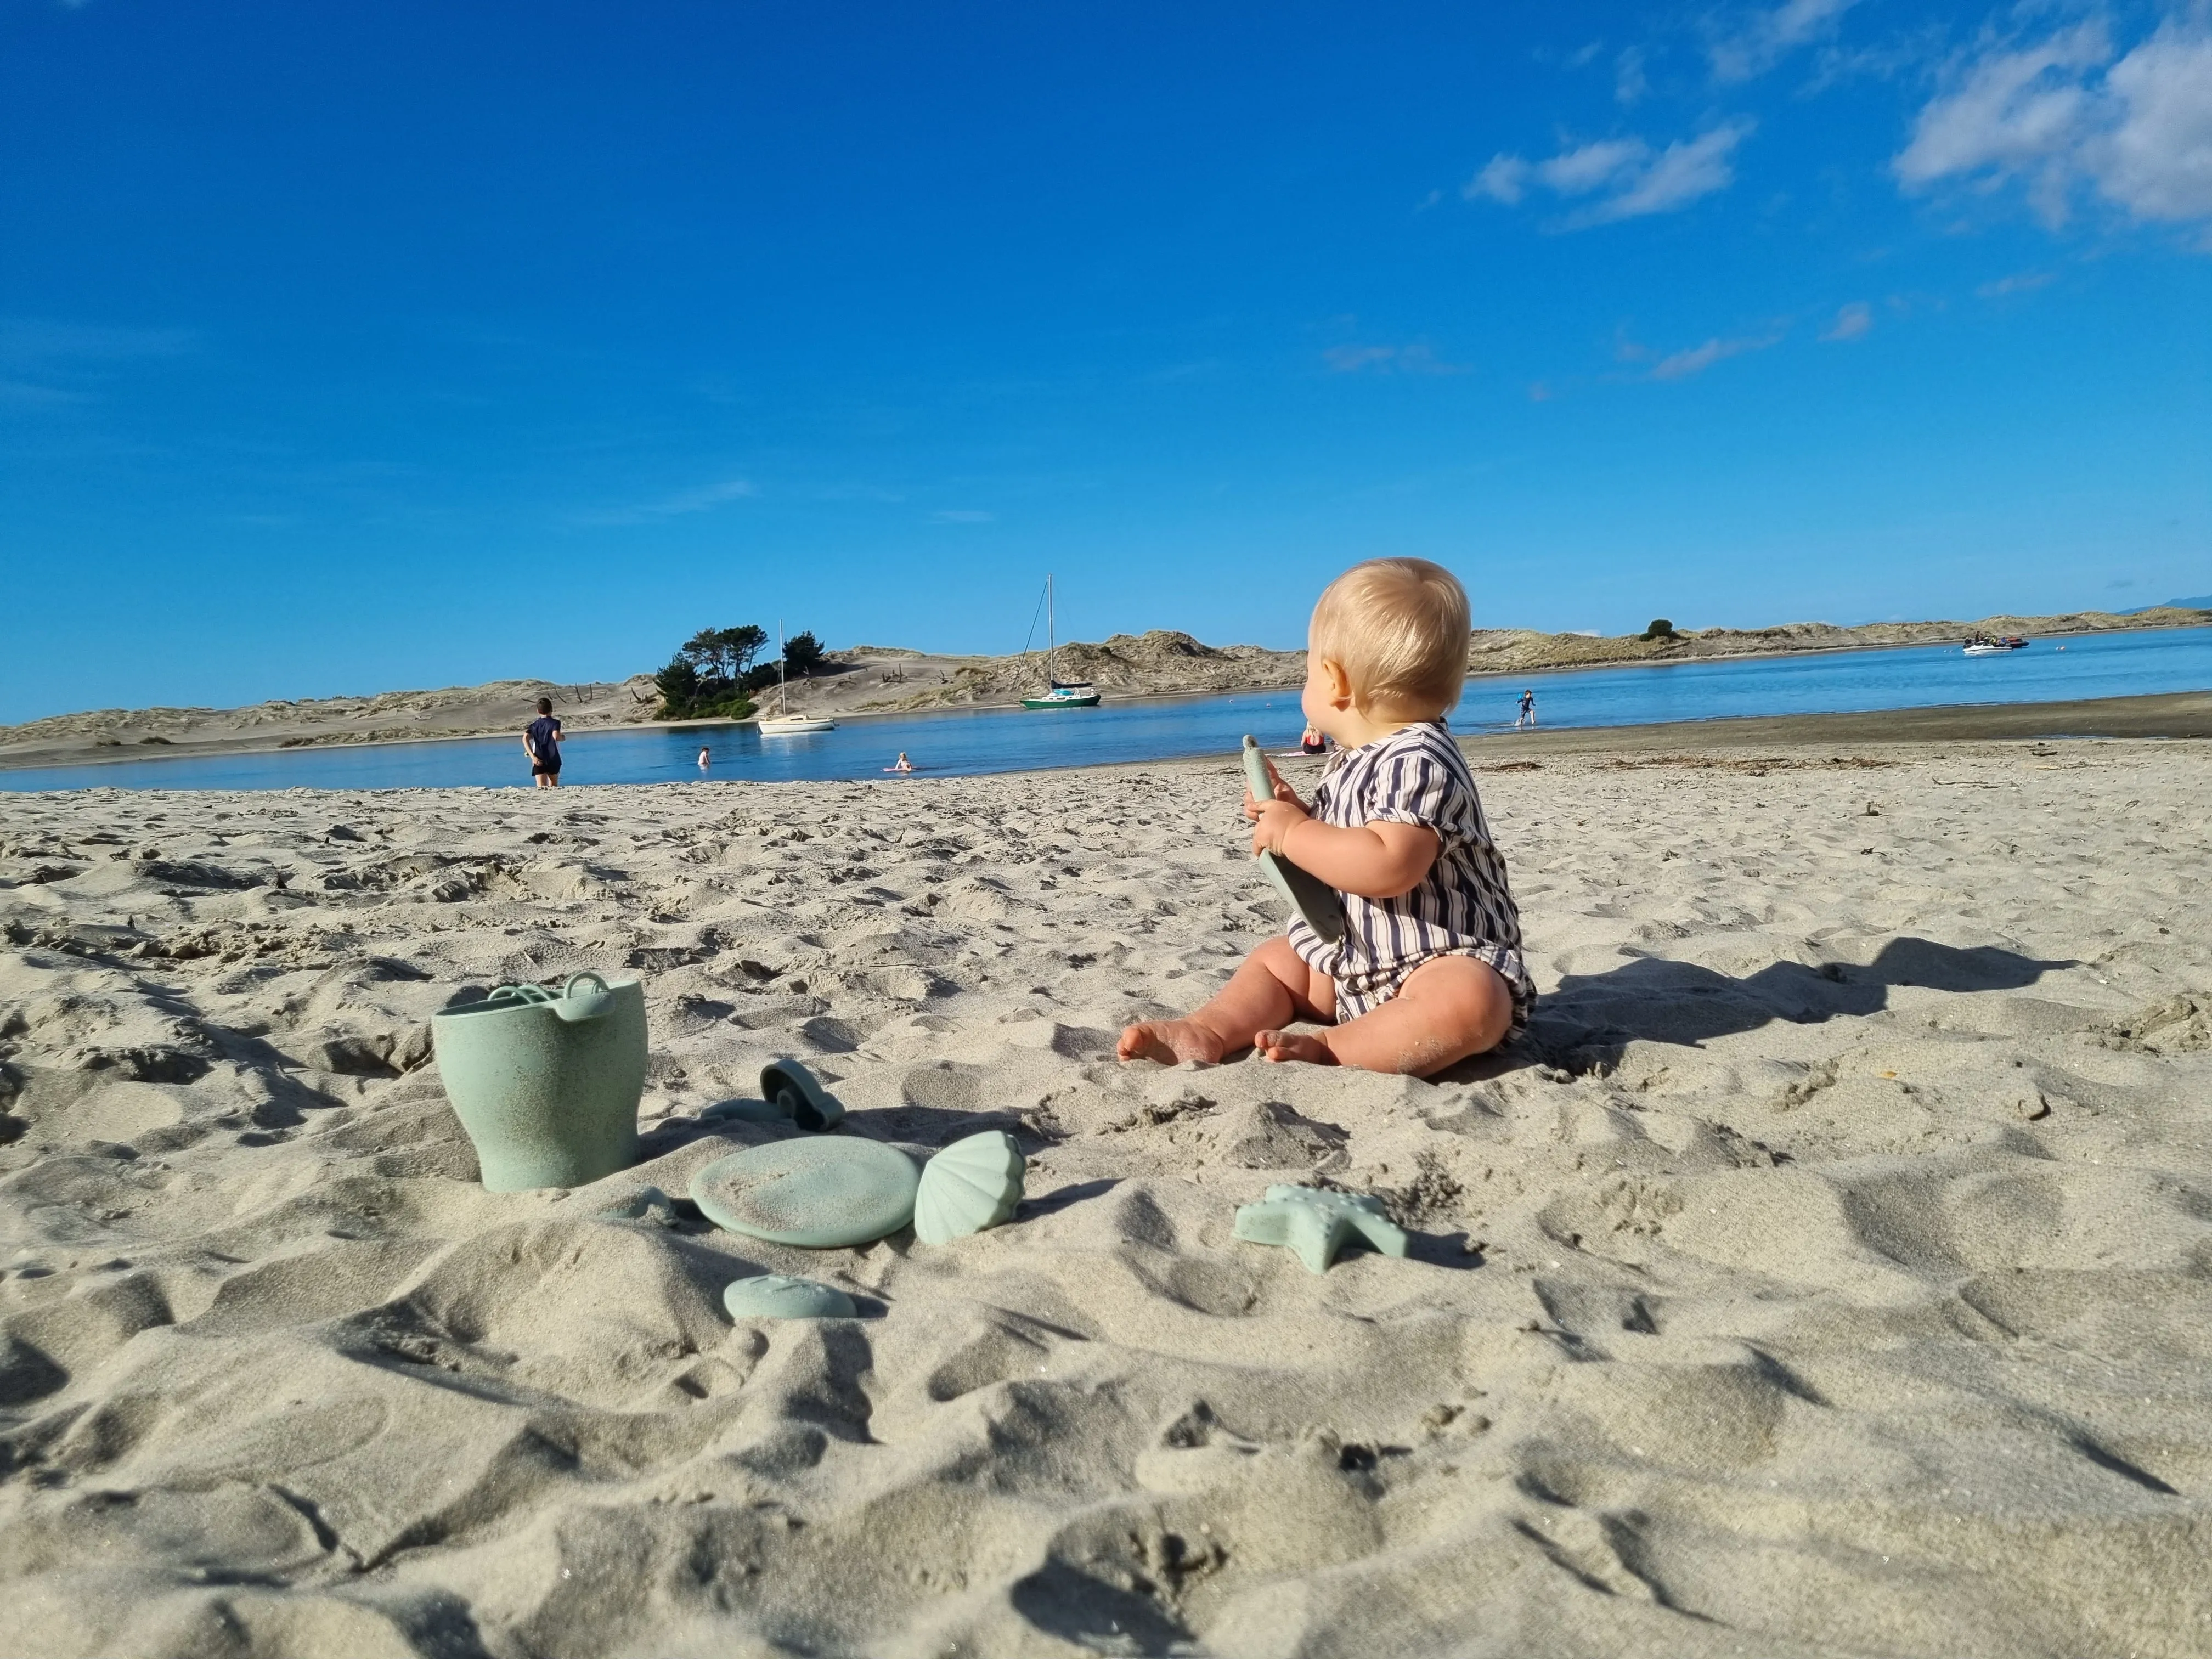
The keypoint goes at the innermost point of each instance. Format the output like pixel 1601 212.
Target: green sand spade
pixel 1310 896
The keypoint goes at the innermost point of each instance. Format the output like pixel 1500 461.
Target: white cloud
pixel 1680 365
pixel 2157 160
pixel 1632 178
pixel 1592 166
pixel 1503 179
pixel 38 340
pixel 1419 358
pixel 1757 43
pixel 2060 112
pixel 1851 321
pixel 27 394
pixel 2020 282
pixel 704 499
pixel 1630 83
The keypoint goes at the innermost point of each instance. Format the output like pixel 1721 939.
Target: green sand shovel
pixel 1310 896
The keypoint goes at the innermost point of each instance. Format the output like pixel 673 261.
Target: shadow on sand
pixel 1587 1023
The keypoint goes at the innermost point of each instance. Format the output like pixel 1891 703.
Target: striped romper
pixel 1462 908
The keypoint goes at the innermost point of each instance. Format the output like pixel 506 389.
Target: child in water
pixel 1429 969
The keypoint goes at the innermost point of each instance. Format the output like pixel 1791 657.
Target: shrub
pixel 802 654
pixel 689 692
pixel 1661 629
pixel 714 674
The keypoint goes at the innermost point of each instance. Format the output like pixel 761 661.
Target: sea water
pixel 954 742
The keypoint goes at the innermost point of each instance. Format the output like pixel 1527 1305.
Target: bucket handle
pixel 589 1004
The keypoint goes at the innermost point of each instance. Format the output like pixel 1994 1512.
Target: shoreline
pixel 2175 716
pixel 220 746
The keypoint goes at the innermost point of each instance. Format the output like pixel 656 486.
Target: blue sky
pixel 349 347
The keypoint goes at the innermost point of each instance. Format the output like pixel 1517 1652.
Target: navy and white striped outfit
pixel 1462 908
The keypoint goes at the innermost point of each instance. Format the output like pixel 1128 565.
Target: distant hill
pixel 2201 602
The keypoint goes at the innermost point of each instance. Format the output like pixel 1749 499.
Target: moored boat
pixel 783 723
pixel 1058 694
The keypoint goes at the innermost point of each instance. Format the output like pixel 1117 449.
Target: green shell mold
pixel 772 1295
pixel 1315 1225
pixel 818 1192
pixel 972 1184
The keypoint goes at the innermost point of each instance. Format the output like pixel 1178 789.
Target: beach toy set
pixel 546 1085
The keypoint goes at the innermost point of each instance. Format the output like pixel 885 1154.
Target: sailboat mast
pixel 1051 637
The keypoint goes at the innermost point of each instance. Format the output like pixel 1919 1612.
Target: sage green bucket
pixel 546 1084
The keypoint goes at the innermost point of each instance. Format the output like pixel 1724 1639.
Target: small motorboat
pixel 1987 648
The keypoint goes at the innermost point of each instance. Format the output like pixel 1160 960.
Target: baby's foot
pixel 1170 1042
pixel 1293 1045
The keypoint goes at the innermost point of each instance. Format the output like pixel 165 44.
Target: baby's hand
pixel 1253 806
pixel 1272 821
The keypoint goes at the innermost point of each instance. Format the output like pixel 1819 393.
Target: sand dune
pixel 1830 1272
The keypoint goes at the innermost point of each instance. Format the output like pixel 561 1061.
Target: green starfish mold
pixel 1315 1225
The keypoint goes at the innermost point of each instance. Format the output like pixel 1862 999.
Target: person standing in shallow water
pixel 1528 715
pixel 542 742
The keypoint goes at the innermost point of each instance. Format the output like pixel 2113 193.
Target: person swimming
pixel 902 765
pixel 702 758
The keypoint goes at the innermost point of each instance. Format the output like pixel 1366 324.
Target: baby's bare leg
pixel 1448 1008
pixel 1271 987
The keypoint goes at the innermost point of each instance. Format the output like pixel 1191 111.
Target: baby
pixel 1429 970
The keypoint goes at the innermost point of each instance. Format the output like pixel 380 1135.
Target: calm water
pixel 2101 665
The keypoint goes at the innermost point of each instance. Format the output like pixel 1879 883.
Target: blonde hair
pixel 1399 627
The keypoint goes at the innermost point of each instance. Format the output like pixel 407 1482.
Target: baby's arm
pixel 1373 861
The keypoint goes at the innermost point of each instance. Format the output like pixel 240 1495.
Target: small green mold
pixel 798 1094
pixel 773 1296
pixel 972 1184
pixel 819 1193
pixel 789 1094
pixel 1315 1225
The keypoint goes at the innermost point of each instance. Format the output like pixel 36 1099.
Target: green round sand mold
pixel 819 1193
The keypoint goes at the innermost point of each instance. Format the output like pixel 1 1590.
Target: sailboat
pixel 783 723
pixel 1059 693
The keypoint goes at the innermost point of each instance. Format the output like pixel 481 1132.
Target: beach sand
pixel 1829 1272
